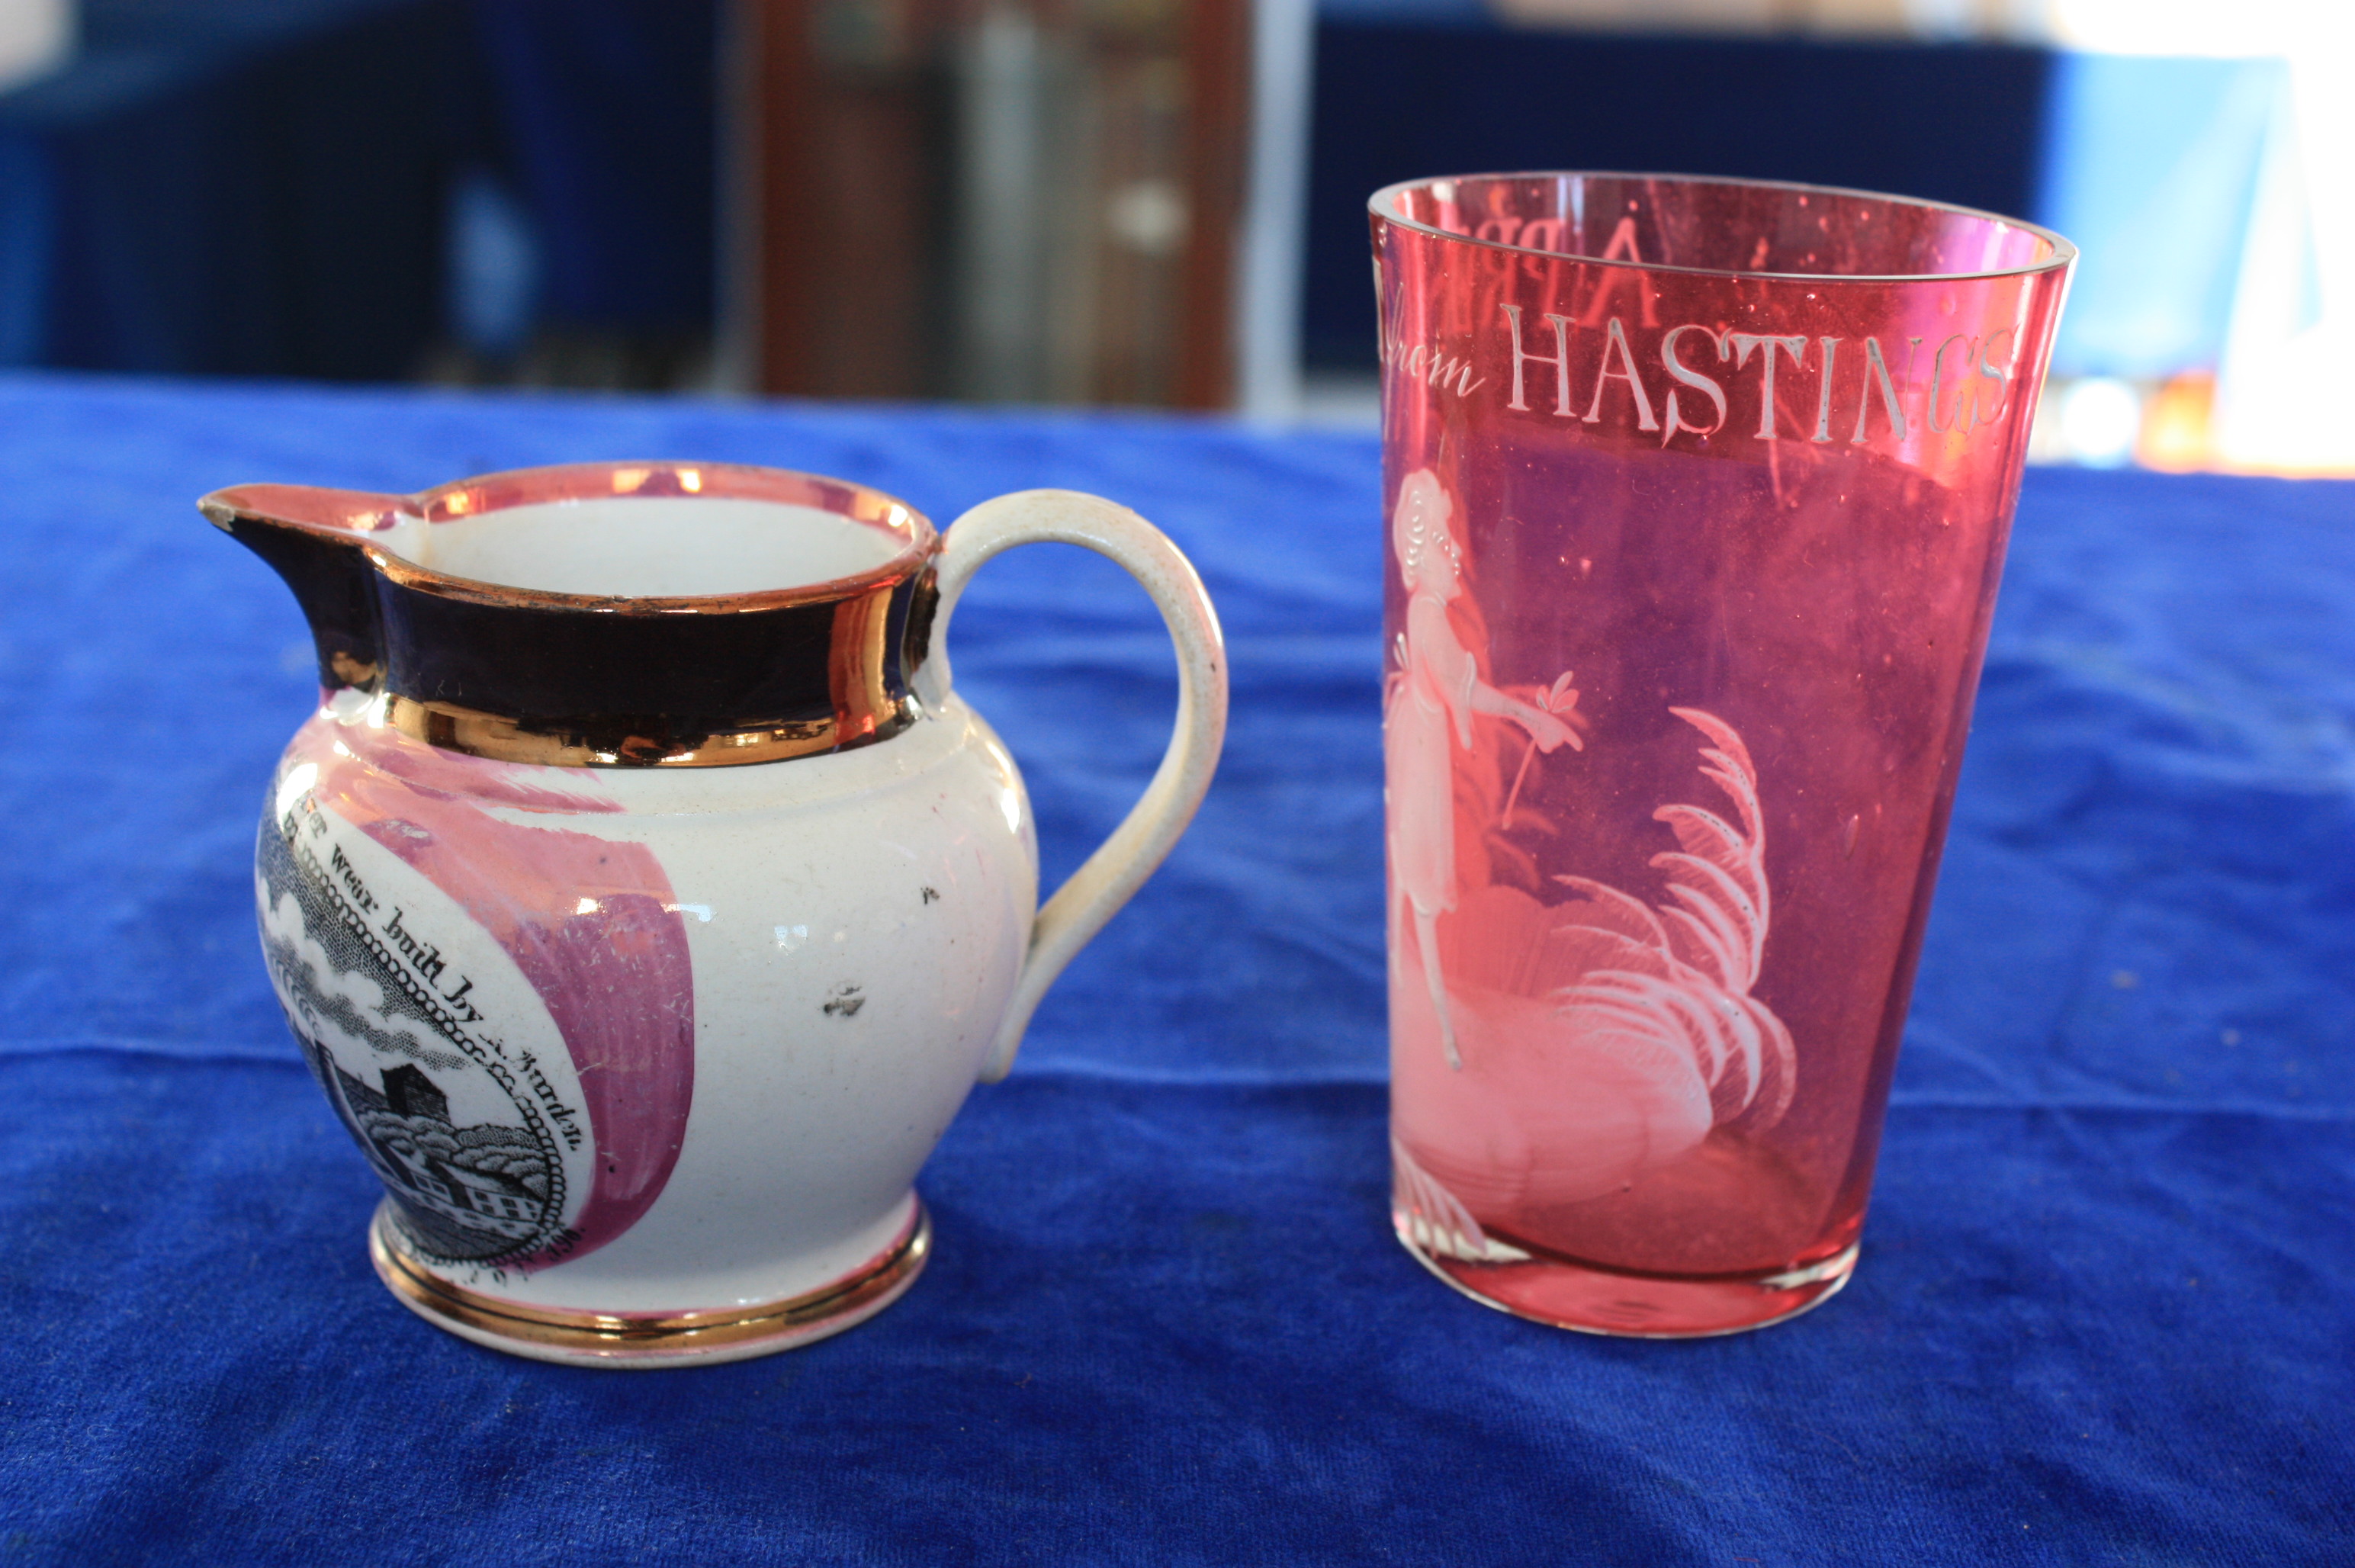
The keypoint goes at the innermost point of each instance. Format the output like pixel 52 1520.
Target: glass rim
pixel 2064 252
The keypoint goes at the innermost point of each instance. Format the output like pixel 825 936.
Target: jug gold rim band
pixel 358 518
pixel 505 740
pixel 650 1334
pixel 566 679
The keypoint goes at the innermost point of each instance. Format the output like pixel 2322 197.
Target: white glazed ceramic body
pixel 648 1058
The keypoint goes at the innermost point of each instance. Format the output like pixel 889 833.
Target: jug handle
pixel 1121 864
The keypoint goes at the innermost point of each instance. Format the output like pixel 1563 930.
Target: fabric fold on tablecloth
pixel 1167 1323
pixel 2106 1306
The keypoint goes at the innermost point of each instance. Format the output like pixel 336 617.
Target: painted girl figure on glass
pixel 1429 715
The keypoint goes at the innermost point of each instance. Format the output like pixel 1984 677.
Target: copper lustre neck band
pixel 571 680
pixel 505 739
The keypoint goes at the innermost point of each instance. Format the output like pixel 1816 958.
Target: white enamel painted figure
pixel 1430 715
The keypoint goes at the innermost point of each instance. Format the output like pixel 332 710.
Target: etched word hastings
pixel 1970 379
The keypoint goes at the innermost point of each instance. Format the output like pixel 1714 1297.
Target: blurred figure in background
pixel 1030 200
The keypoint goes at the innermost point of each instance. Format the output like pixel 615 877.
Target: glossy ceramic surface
pixel 647 1047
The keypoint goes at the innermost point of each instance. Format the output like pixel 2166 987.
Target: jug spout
pixel 604 614
pixel 316 541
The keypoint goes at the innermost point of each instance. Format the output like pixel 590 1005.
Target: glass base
pixel 1595 1300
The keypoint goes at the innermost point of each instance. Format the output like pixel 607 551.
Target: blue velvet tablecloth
pixel 2106 1309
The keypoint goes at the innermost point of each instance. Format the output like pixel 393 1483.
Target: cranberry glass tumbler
pixel 1697 495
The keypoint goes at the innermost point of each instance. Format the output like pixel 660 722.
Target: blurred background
pixel 1138 202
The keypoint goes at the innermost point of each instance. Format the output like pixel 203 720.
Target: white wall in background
pixel 2282 399
pixel 1003 144
pixel 1274 236
pixel 36 36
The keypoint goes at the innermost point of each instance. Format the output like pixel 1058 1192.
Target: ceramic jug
pixel 643 897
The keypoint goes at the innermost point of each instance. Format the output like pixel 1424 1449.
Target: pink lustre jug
pixel 643 897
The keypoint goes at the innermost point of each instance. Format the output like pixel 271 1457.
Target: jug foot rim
pixel 644 1341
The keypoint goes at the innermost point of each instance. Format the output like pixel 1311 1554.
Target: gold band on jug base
pixel 646 1340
